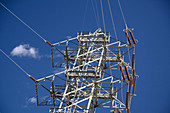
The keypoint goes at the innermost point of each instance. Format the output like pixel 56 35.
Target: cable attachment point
pixel 48 42
pixel 32 78
pixel 128 29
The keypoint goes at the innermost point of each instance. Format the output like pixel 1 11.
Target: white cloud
pixel 25 50
pixel 29 101
pixel 32 100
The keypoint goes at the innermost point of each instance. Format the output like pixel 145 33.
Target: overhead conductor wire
pixel 114 28
pixel 24 23
pixel 18 65
pixel 103 15
pixel 122 14
pixel 95 14
pixel 14 62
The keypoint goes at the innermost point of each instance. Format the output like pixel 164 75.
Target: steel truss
pixel 92 75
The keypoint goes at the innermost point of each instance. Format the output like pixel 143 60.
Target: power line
pixel 122 14
pixel 15 63
pixel 95 14
pixel 103 15
pixel 85 11
pixel 112 19
pixel 23 22
pixel 18 66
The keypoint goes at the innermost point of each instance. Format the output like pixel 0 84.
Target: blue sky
pixel 57 20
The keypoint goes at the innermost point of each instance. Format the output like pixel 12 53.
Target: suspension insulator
pixel 120 111
pixel 134 86
pixel 130 85
pixel 131 34
pixel 128 111
pixel 133 73
pixel 133 61
pixel 128 38
pixel 127 100
pixel 48 43
pixel 123 75
pixel 127 73
pixel 32 78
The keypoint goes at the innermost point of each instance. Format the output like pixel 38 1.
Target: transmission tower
pixel 93 74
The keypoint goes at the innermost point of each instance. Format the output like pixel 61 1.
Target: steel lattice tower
pixel 93 74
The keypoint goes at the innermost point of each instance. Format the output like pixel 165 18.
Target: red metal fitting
pixel 131 34
pixel 32 78
pixel 127 100
pixel 123 75
pixel 133 61
pixel 127 73
pixel 134 85
pixel 128 38
pixel 48 43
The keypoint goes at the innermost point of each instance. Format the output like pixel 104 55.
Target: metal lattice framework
pixel 93 74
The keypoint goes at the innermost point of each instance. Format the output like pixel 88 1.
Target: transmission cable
pixel 103 15
pixel 14 62
pixel 85 11
pixel 23 22
pixel 122 14
pixel 19 66
pixel 95 14
pixel 114 28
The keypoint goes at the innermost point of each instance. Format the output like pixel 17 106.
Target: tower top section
pixel 97 37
